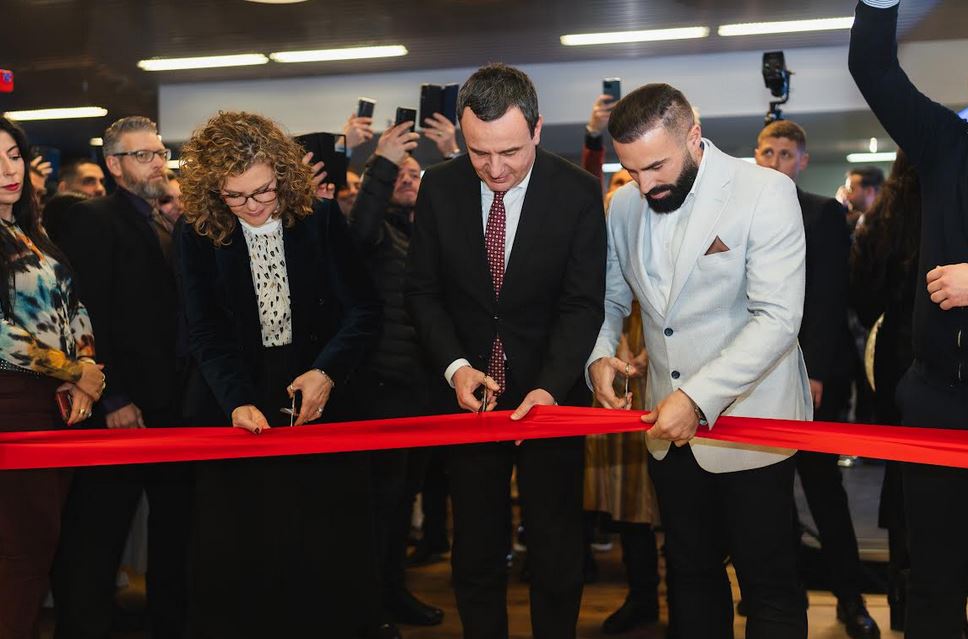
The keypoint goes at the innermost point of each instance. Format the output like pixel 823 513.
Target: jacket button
pixel 668 332
pixel 675 374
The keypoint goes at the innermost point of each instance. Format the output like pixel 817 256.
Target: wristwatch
pixel 699 414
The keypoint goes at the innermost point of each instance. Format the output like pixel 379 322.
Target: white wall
pixel 724 84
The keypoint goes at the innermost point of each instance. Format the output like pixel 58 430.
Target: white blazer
pixel 728 336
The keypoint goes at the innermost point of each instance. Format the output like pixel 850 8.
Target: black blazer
pixel 129 290
pixel 824 336
pixel 335 310
pixel 551 305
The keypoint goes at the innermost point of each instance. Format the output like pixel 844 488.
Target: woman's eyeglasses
pixel 265 196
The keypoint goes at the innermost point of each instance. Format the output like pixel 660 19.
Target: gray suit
pixel 727 336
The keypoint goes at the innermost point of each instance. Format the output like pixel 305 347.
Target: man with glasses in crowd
pixel 120 248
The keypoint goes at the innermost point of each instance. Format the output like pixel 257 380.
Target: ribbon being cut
pixel 77 447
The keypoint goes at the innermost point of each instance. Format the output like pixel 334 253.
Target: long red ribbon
pixel 67 448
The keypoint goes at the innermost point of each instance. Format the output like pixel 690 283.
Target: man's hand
pixel 322 190
pixel 443 133
pixel 396 142
pixel 948 286
pixel 602 374
pixel 128 416
pixel 250 418
pixel 537 397
pixel 601 111
pixel 816 392
pixel 315 387
pixel 466 382
pixel 357 131
pixel 674 419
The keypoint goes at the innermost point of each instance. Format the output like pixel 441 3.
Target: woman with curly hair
pixel 279 311
pixel 46 346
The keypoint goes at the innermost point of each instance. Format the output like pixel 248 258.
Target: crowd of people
pixel 245 289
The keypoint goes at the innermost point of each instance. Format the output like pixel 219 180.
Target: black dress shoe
pixel 632 614
pixel 424 555
pixel 857 621
pixel 384 631
pixel 405 608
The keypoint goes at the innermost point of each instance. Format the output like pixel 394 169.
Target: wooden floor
pixel 600 599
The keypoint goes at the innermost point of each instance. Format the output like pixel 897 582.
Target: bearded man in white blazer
pixel 713 249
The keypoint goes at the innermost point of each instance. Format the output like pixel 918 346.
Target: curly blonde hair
pixel 228 145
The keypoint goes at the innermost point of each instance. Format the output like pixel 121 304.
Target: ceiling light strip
pixel 331 55
pixel 861 158
pixel 67 113
pixel 619 37
pixel 202 62
pixel 789 26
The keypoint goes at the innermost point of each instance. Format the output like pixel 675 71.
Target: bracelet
pixel 326 375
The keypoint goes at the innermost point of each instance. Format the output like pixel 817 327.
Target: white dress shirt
pixel 513 203
pixel 666 231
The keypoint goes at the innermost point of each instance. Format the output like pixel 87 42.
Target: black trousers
pixel 746 516
pixel 823 487
pixel 549 475
pixel 937 515
pixel 96 522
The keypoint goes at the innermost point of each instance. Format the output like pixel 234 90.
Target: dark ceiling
pixel 84 52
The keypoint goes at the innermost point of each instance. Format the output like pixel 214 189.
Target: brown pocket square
pixel 717 247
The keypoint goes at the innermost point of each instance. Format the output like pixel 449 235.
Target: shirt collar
pixel 272 225
pixel 140 204
pixel 523 186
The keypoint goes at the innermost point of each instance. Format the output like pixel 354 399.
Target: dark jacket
pixel 551 304
pixel 128 288
pixel 335 311
pixel 383 232
pixel 824 336
pixel 936 140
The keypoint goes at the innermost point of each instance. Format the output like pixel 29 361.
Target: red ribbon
pixel 67 448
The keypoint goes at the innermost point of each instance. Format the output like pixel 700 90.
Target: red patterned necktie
pixel 494 242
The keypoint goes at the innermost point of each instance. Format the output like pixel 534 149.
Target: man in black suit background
pixel 826 344
pixel 505 284
pixel 119 247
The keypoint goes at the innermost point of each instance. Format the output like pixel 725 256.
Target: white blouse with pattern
pixel 267 259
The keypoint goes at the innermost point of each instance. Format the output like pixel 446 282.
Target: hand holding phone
pixel 405 114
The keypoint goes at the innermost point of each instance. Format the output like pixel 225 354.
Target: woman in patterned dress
pixel 46 349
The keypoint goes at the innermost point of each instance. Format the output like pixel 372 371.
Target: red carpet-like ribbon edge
pixel 100 447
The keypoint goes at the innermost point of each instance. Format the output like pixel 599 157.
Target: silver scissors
pixel 290 410
pixel 628 375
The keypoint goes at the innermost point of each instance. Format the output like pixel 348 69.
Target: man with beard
pixel 119 247
pixel 395 380
pixel 713 249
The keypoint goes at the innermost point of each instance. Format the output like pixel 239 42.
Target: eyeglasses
pixel 262 197
pixel 144 156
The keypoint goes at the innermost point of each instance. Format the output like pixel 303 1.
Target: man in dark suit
pixel 119 247
pixel 505 284
pixel 826 346
pixel 934 391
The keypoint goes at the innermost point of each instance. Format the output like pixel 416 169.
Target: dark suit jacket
pixel 551 305
pixel 824 336
pixel 335 310
pixel 129 290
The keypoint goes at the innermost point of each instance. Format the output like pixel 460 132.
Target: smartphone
pixel 406 115
pixel 323 147
pixel 435 98
pixel 612 87
pixel 64 404
pixel 365 107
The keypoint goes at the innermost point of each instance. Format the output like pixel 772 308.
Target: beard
pixel 150 188
pixel 678 192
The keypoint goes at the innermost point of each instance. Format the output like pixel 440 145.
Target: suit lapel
pixel 640 243
pixel 299 251
pixel 133 219
pixel 233 260
pixel 711 199
pixel 468 202
pixel 534 212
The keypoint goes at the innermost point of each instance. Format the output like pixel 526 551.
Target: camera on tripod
pixel 776 77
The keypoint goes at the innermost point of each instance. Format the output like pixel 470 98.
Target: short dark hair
pixel 785 129
pixel 494 89
pixel 69 171
pixel 869 176
pixel 648 107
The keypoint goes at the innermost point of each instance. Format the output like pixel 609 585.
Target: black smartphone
pixel 365 107
pixel 612 87
pixel 435 98
pixel 406 115
pixel 323 147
